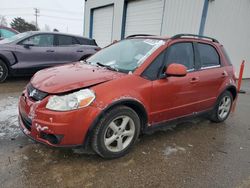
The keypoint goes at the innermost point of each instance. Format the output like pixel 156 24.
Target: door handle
pixel 194 80
pixel 50 50
pixel 79 51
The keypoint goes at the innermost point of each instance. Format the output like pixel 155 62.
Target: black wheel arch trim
pixel 5 60
pixel 232 89
pixel 137 106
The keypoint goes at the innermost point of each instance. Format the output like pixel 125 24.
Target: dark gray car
pixel 28 52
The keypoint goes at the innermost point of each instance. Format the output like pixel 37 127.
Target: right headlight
pixel 79 99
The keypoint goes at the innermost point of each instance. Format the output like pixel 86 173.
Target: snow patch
pixel 172 150
pixel 9 118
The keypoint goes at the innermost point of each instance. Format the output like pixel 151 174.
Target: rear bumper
pixel 58 129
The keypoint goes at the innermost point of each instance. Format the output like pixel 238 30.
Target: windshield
pixel 126 55
pixel 15 37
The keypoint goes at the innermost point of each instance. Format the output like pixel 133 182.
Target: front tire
pixel 222 108
pixel 116 132
pixel 3 71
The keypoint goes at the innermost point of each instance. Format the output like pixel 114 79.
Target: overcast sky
pixel 65 15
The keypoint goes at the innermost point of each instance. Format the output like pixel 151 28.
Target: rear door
pixel 174 97
pixel 67 49
pixel 211 75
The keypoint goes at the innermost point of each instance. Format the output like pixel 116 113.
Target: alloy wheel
pixel 1 71
pixel 224 107
pixel 119 133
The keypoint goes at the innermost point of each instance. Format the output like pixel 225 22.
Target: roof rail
pixel 137 35
pixel 193 35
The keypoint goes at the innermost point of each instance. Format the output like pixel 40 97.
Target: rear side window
pixel 86 41
pixel 181 53
pixel 208 55
pixel 64 40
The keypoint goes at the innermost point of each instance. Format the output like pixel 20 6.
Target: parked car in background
pixel 28 52
pixel 134 86
pixel 6 32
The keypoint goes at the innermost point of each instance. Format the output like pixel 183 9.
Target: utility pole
pixel 37 11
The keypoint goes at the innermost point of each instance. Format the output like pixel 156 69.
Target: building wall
pixel 182 16
pixel 229 22
pixel 118 15
pixel 186 13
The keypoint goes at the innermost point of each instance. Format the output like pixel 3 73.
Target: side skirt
pixel 169 124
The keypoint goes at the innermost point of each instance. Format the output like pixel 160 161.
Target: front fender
pixel 8 57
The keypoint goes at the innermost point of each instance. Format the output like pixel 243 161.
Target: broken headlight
pixel 79 99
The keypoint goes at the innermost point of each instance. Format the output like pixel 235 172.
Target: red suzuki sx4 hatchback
pixel 133 86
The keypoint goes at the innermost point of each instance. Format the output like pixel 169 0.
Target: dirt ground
pixel 194 154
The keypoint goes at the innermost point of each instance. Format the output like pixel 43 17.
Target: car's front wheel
pixel 116 132
pixel 3 71
pixel 222 108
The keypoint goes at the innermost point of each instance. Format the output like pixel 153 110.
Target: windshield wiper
pixel 107 66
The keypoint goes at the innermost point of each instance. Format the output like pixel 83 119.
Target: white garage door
pixel 103 25
pixel 144 16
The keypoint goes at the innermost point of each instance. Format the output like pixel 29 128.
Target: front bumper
pixel 59 129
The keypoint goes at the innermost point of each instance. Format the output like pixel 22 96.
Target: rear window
pixel 226 56
pixel 208 55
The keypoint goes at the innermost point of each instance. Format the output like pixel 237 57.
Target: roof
pixel 59 33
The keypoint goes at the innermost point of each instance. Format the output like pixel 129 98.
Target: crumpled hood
pixel 71 76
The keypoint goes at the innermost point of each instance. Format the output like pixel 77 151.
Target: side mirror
pixel 176 69
pixel 28 45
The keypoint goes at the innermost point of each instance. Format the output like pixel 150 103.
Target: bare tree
pixel 3 21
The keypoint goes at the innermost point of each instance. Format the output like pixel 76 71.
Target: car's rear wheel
pixel 116 132
pixel 222 108
pixel 3 71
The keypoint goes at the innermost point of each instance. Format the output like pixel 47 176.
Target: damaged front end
pixel 60 128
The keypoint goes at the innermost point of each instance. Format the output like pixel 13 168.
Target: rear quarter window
pixel 87 41
pixel 226 56
pixel 208 55
pixel 64 40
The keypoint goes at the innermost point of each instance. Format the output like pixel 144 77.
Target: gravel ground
pixel 194 154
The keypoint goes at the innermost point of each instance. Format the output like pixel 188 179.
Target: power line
pixel 42 15
pixel 59 17
pixel 45 9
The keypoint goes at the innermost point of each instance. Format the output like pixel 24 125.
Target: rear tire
pixel 3 71
pixel 116 132
pixel 222 108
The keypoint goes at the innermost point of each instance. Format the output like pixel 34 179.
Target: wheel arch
pixel 5 60
pixel 137 106
pixel 85 56
pixel 233 90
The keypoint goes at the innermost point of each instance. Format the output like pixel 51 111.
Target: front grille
pixel 35 94
pixel 27 122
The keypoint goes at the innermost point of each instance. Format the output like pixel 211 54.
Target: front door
pixel 40 53
pixel 174 97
